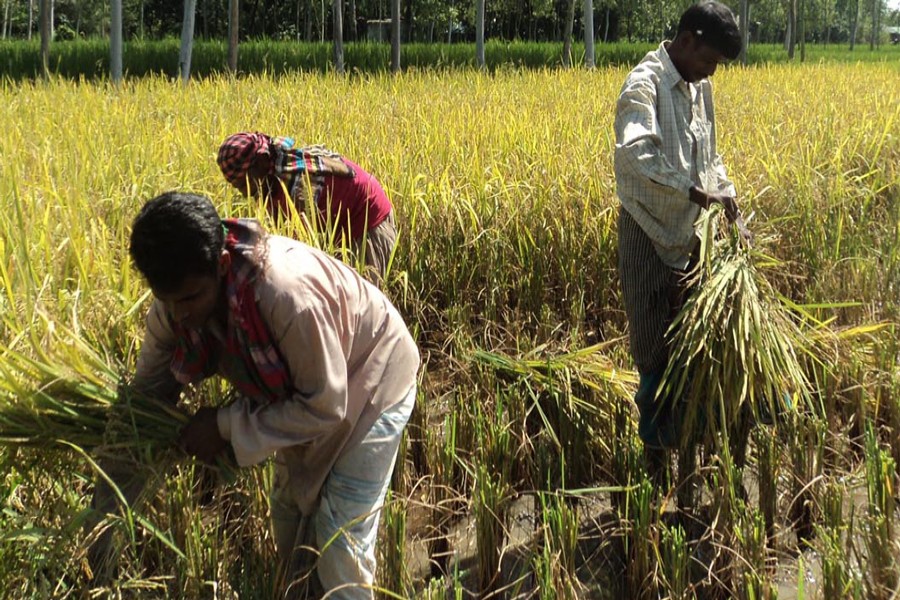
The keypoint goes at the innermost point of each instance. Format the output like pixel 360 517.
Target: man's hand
pixel 701 198
pixel 201 438
pixel 730 204
pixel 746 234
pixel 732 212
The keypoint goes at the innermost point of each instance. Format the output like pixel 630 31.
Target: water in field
pixel 793 575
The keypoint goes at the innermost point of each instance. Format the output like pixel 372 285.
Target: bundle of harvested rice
pixel 589 367
pixel 65 395
pixel 734 345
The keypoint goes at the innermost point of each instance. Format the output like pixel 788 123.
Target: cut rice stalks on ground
pixel 590 367
pixel 571 378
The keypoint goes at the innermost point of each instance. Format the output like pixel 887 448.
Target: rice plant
pixel 881 545
pixel 555 560
pixel 734 346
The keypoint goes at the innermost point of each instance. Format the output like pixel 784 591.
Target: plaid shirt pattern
pixel 237 152
pixel 665 144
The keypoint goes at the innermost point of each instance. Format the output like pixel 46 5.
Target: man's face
pixel 250 186
pixel 256 180
pixel 699 61
pixel 198 298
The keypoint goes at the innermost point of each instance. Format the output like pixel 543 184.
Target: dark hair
pixel 176 236
pixel 714 25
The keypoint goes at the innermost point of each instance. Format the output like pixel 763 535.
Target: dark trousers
pixel 653 293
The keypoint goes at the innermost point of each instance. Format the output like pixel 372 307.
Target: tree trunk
pixel 745 30
pixel 351 29
pixel 5 29
pixel 567 33
pixel 791 28
pixel 395 36
pixel 337 13
pixel 309 24
pixel 662 22
pixel 606 26
pixel 517 20
pixel 801 27
pixel 45 37
pixel 115 41
pixel 589 34
pixel 187 39
pixel 6 23
pixel 409 21
pixel 876 9
pixel 479 33
pixel 234 15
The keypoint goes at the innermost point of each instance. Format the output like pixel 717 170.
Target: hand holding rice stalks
pixel 734 346
pixel 71 396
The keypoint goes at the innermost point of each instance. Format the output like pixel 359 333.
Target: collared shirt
pixel 666 144
pixel 348 351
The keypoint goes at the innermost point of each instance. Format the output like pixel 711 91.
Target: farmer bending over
pixel 323 364
pixel 667 172
pixel 350 202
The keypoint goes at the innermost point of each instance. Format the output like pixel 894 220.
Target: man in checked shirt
pixel 667 172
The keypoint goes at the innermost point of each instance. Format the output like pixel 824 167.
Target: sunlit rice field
pixel 522 474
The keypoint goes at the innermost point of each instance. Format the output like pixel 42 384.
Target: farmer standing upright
pixel 350 203
pixel 323 365
pixel 667 171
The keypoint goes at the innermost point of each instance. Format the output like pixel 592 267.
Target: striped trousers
pixel 344 527
pixel 653 294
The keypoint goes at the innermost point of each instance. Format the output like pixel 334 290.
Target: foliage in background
pixel 825 21
pixel 90 58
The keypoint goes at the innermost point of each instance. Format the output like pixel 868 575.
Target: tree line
pixel 822 21
pixel 792 22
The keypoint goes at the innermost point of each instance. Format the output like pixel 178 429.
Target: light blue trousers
pixel 346 522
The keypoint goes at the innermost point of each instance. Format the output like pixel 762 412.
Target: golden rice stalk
pixel 734 343
pixel 70 395
pixel 589 367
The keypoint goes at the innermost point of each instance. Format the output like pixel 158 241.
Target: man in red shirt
pixel 353 209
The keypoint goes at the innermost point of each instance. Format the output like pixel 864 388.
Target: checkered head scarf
pixel 237 152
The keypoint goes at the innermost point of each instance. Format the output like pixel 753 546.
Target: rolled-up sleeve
pixel 311 346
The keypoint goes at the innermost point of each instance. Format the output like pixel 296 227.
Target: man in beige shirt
pixel 668 170
pixel 323 364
